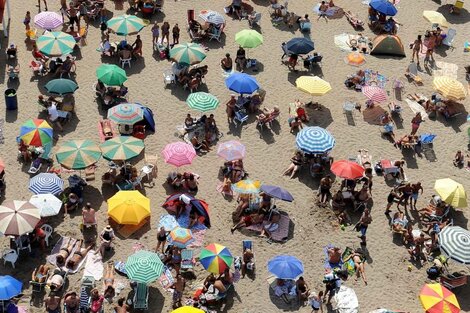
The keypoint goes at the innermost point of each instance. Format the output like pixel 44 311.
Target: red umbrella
pixel 347 169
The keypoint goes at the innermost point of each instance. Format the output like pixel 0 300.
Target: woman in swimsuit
pixel 40 274
pixel 64 253
pixel 358 260
pixel 161 239
pixel 417 48
pixel 295 165
pixel 78 255
pixel 108 282
pixel 191 184
pixel 106 236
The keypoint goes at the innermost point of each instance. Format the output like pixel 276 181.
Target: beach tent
pixel 387 45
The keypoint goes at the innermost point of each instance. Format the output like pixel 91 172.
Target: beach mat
pixel 372 115
pixel 416 107
pixel 94 265
pixel 52 257
pixel 445 69
pixel 280 234
pixel 198 236
pixel 128 230
pixel 166 280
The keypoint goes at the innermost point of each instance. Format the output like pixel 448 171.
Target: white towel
pixel 94 265
pixel 416 107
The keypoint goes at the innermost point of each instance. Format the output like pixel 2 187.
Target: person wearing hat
pixel 106 236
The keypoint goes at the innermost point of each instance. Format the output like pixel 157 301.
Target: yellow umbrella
pixel 451 192
pixel 313 85
pixel 449 87
pixel 435 18
pixel 355 59
pixel 129 207
pixel 437 298
pixel 187 309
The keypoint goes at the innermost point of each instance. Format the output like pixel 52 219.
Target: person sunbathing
pixel 64 252
pixel 39 275
pixel 237 171
pixel 248 220
pixel 56 280
pixel 300 111
pixel 108 282
pixel 359 260
pixel 296 163
pixel 72 302
pixel 295 125
pixel 272 226
pixel 282 289
pixel 432 211
pixel 78 255
pixel 399 223
pixel 243 204
pixel 334 255
pixel 199 145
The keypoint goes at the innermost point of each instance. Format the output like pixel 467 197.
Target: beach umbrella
pixel 247 186
pixel 179 153
pixel 384 6
pixel 435 298
pixel 56 43
pixel 231 150
pixel 347 169
pixel 18 217
pixel 200 206
pixel 9 287
pixel 346 300
pixel 122 148
pixel 168 222
pixel 2 165
pixel 78 154
pixel 355 59
pixel 36 132
pixel 187 309
pixel 300 45
pixel 188 53
pixel 285 267
pixel 241 83
pixel 435 18
pixel 61 86
pixel 128 207
pixel 181 237
pixel 313 85
pixel 124 25
pixel 48 20
pixel 449 87
pixel 451 192
pixel 48 204
pixel 374 93
pixel 126 113
pixel 248 38
pixel 454 241
pixel 202 101
pixel 111 74
pixel 315 140
pixel 144 267
pixel 277 192
pixel 45 183
pixel 215 258
pixel 212 17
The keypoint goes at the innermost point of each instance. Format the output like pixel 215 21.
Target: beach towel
pixel 416 107
pixel 166 280
pixel 52 258
pixel 373 115
pixel 445 69
pixel 342 41
pixel 280 234
pixel 94 265
pixel 198 236
pixel 349 265
pixel 2 123
pixel 328 265
pixel 374 78
pixel 168 222
pixel 331 12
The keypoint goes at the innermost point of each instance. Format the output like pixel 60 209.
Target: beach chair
pixel 412 73
pixel 449 39
pixel 250 266
pixel 458 5
pixel 348 109
pixel 187 259
pixel 48 230
pixel 216 33
pixel 35 166
pixel 240 117
pixel 452 281
pixel 37 289
pixel 141 297
pixel 169 78
pixel 426 141
pixel 86 285
pixel 125 62
pixel 11 256
pixel 37 68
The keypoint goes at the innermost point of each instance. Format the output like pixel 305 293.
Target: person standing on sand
pixel 52 303
pixel 176 34
pixel 27 20
pixel 363 224
pixel 415 189
pixel 155 33
pixel 45 4
pixel 417 48
pixel 415 122
pixel 165 33
pixel 179 286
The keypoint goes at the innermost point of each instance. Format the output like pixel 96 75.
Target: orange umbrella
pixel 355 59
pixel 435 298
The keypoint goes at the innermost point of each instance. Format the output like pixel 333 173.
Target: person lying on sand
pixel 248 220
pixel 78 255
pixel 65 252
pixel 359 261
pixel 334 255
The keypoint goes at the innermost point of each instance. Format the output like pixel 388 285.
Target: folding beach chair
pixel 187 259
pixel 389 170
pixel 141 297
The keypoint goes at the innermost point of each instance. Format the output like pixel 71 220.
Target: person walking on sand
pixel 165 33
pixel 322 11
pixel 415 122
pixel 45 4
pixel 176 34
pixel 363 224
pixel 417 49
pixel 179 286
pixel 155 33
pixel 27 21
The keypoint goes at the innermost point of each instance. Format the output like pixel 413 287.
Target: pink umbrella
pixel 374 93
pixel 179 153
pixel 231 150
pixel 48 20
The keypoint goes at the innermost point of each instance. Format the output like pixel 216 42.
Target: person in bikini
pixel 358 260
pixel 64 253
pixel 108 282
pixel 78 255
pixel 161 239
pixel 39 275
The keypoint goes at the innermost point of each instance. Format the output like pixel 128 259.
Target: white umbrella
pixel 346 300
pixel 48 204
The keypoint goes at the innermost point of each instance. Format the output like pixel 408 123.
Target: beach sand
pixel 390 284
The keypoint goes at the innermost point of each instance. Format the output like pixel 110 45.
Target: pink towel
pixel 198 236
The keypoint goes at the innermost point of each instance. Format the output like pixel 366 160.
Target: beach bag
pixel 433 272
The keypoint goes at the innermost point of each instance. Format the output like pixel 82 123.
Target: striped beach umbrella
pixel 449 87
pixel 126 113
pixel 45 183
pixel 247 186
pixel 179 153
pixel 48 204
pixel 248 38
pixel 56 43
pixel 144 267
pixel 212 17
pixel 454 241
pixel 111 74
pixel 61 86
pixel 231 150
pixel 374 93
pixel 126 24
pixel 18 217
pixel 187 53
pixel 181 237
pixel 129 207
pixel 36 132
pixel 355 59
pixel 202 101
pixel 48 20
pixel 122 148
pixel 78 154
pixel 436 298
pixel 451 192
pixel 313 85
pixel 215 258
pixel 315 140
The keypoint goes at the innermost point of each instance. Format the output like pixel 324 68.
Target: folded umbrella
pixel 315 140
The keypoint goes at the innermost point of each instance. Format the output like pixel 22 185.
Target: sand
pixel 391 285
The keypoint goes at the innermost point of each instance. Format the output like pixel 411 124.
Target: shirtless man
pixel 322 11
pixel 334 255
pixel 56 280
pixel 179 286
pixel 227 63
pixel 52 303
pixel 406 192
pixel 122 307
pixel 78 255
pixel 415 189
pixel 247 259
pixel 72 302
pixel 64 253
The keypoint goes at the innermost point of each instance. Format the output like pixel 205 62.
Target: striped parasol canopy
pixel 181 237
pixel 215 258
pixel 179 153
pixel 18 217
pixel 450 87
pixel 374 93
pixel 188 53
pixel 202 101
pixel 212 17
pixel 48 20
pixel 48 204
pixel 56 43
pixel 78 154
pixel 315 140
pixel 46 183
pixel 144 267
pixel 122 148
pixel 313 85
pixel 247 186
pixel 126 113
pixel 126 24
pixel 435 298
pixel 231 150
pixel 248 38
pixel 36 132
pixel 454 241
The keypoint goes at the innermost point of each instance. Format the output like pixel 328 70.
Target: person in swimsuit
pixel 415 189
pixel 161 239
pixel 191 184
pixel 88 215
pixel 27 21
pixel 39 275
pixel 227 63
pixel 302 289
pixel 243 204
pixel 199 145
pixel 417 48
pixel 155 33
pixel 176 259
pixel 178 286
pixel 166 32
pixel 65 252
pixel 96 301
pixel 107 237
pixel 406 192
pixel 415 122
pixel 296 163
pixel 78 255
pixel 52 303
pixel 240 60
pixel 392 196
pixel 108 282
pixel 364 223
pixel 56 280
pixel 325 186
pixel 358 260
pixel 248 220
pixel 72 302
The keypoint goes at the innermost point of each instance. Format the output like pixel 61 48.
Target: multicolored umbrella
pixel 126 24
pixel 215 258
pixel 347 169
pixel 179 153
pixel 181 237
pixel 18 217
pixel 45 183
pixel 61 86
pixel 313 85
pixel 9 287
pixel 56 43
pixel 231 150
pixel 436 298
pixel 315 140
pixel 435 18
pixel 241 83
pixel 48 204
pixel 111 74
pixel 126 113
pixel 248 38
pixel 285 267
pixel 128 207
pixel 78 154
pixel 202 101
pixel 247 186
pixel 187 309
pixel 48 20
pixel 355 59
pixel 454 241
pixel 122 148
pixel 300 45
pixel 277 192
pixel 374 93
pixel 212 17
pixel 187 53
pixel 144 267
pixel 451 192
pixel 450 87
pixel 36 132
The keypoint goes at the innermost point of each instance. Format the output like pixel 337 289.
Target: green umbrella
pixel 56 43
pixel 144 267
pixel 78 154
pixel 188 53
pixel 249 38
pixel 202 101
pixel 61 86
pixel 122 148
pixel 111 75
pixel 126 24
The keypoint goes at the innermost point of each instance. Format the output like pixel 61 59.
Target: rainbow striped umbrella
pixel 187 53
pixel 36 132
pixel 18 217
pixel 78 154
pixel 56 43
pixel 126 113
pixel 181 237
pixel 247 186
pixel 126 24
pixel 179 153
pixel 215 258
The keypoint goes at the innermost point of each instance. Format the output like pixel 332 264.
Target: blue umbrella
pixel 384 7
pixel 277 192
pixel 315 140
pixel 148 116
pixel 241 83
pixel 46 183
pixel 300 45
pixel 9 287
pixel 285 267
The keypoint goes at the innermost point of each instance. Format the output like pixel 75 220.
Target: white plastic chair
pixel 20 247
pixel 148 171
pixel 48 230
pixel 449 38
pixel 168 77
pixel 10 255
pixel 125 61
